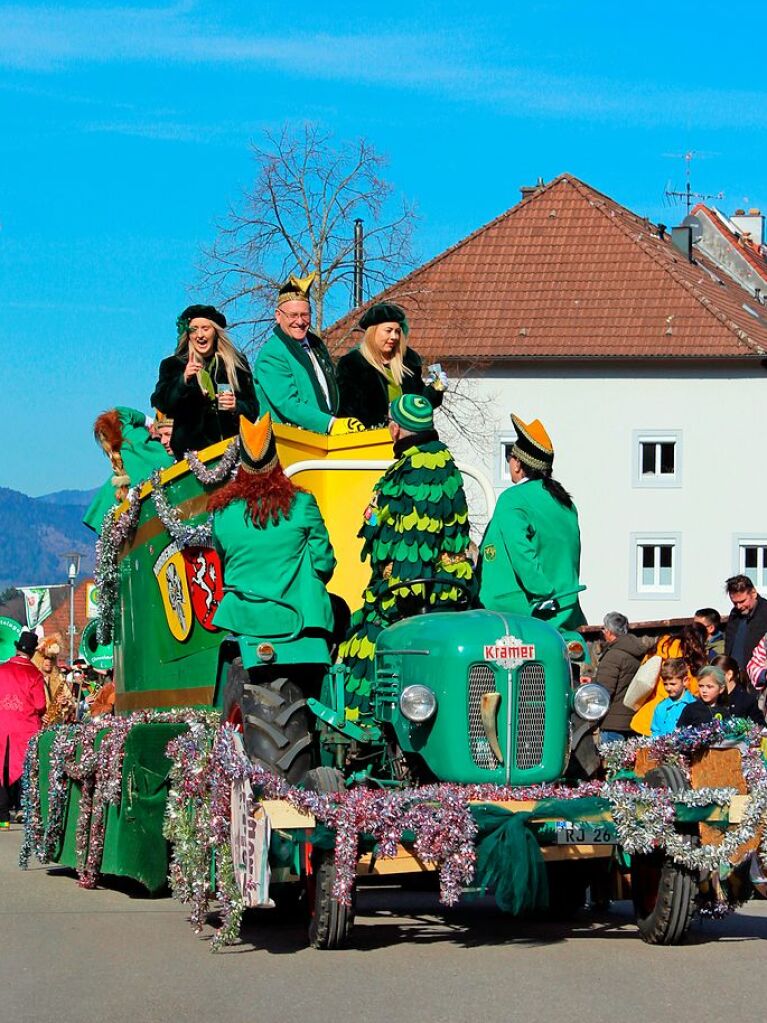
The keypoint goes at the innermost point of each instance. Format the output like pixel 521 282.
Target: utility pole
pixel 359 263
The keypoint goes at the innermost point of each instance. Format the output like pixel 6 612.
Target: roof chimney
pixel 681 238
pixel 528 190
pixel 751 223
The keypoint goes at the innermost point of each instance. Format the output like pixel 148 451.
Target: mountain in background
pixel 37 531
pixel 80 498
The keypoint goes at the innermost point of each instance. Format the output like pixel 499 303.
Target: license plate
pixel 583 834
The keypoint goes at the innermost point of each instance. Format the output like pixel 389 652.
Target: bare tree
pixel 298 216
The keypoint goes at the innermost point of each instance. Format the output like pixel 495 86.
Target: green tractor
pixel 468 696
pixel 472 697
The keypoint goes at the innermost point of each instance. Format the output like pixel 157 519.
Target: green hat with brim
pixel 412 412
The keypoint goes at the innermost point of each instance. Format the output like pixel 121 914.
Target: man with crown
pixel 274 547
pixel 531 550
pixel 294 375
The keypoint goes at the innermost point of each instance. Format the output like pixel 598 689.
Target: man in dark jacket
pixel 617 666
pixel 748 619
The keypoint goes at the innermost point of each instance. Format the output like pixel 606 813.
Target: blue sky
pixel 126 130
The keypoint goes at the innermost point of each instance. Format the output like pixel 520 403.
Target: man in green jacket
pixel 275 553
pixel 532 546
pixel 294 375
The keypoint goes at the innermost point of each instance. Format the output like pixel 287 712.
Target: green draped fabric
pixel 134 845
pixel 509 858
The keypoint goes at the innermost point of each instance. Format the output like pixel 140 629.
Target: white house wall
pixel 592 412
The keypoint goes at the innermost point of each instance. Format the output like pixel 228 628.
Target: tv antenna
pixel 673 197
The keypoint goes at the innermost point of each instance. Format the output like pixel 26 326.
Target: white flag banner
pixel 37 601
pixel 91 601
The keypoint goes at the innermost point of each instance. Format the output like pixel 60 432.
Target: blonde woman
pixel 383 368
pixel 206 385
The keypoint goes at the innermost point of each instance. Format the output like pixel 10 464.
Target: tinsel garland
pixel 184 534
pixel 651 825
pixel 438 815
pixel 114 532
pixel 206 761
pixel 227 466
pixel 98 770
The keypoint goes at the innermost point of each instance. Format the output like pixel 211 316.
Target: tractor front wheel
pixel 273 718
pixel 663 891
pixel 331 922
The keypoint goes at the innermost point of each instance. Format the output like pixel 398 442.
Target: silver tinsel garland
pixel 227 466
pixel 206 761
pixel 180 531
pixel 98 770
pixel 438 815
pixel 114 532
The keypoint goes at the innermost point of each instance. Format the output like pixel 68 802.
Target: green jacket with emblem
pixel 283 563
pixel 531 551
pixel 287 385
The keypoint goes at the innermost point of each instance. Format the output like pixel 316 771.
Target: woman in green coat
pixel 531 550
pixel 275 551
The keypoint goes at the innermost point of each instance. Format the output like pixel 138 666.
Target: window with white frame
pixel 503 450
pixel 655 565
pixel 657 458
pixel 751 560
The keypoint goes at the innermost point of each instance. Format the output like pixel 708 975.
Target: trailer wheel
pixel 273 719
pixel 330 923
pixel 663 891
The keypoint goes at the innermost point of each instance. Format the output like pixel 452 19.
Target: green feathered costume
pixel 416 526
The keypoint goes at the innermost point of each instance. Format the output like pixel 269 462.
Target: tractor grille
pixel 531 715
pixel 481 681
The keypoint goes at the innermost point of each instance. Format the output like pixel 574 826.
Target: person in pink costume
pixel 22 705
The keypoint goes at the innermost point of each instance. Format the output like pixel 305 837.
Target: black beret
pixel 209 312
pixel 383 312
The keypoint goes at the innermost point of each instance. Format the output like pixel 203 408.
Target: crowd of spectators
pixel 699 676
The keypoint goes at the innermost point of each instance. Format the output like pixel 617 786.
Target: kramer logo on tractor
pixel 509 652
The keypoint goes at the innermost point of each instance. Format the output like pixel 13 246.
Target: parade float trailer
pixel 475 713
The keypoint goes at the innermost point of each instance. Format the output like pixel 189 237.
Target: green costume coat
pixel 287 385
pixel 141 455
pixel 416 526
pixel 531 550
pixel 288 561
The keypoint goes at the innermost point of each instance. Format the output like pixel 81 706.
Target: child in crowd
pixel 743 702
pixel 712 700
pixel 673 674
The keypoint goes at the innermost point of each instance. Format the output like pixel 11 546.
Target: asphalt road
pixel 111 954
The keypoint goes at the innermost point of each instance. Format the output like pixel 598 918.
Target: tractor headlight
pixel 591 701
pixel 576 651
pixel 418 703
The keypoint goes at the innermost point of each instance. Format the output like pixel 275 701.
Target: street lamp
pixel 73 567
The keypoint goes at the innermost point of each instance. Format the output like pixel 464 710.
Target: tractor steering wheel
pixel 418 603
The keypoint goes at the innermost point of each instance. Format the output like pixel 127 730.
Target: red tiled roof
pixel 747 249
pixel 59 620
pixel 569 273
